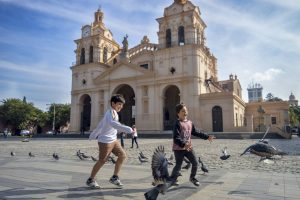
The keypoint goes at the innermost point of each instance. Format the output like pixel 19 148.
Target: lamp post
pixel 53 123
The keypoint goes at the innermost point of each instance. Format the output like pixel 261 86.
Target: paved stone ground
pixel 238 177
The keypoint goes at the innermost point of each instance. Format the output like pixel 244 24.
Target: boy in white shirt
pixel 106 134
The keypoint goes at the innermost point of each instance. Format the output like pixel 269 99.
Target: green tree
pixel 270 97
pixel 62 115
pixel 17 114
pixel 294 115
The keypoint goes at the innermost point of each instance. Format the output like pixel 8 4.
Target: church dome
pixel 292 97
pixel 180 1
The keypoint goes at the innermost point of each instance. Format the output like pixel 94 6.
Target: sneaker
pixel 195 181
pixel 175 183
pixel 92 184
pixel 116 181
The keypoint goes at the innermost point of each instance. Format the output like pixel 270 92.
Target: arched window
pixel 168 38
pixel 105 54
pixel 91 54
pixel 181 35
pixel 82 56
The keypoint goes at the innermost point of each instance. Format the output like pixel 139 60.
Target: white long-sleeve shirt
pixel 107 129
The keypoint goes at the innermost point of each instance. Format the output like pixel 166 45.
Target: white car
pixel 49 132
pixel 25 132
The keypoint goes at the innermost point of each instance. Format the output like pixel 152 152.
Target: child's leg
pixel 135 139
pixel 132 140
pixel 121 154
pixel 179 155
pixel 104 151
pixel 192 158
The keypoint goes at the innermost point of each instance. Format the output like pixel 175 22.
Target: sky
pixel 257 40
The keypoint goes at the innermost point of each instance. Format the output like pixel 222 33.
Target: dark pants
pixel 134 139
pixel 179 155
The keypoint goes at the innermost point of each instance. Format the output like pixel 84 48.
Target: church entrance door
pixel 217 119
pixel 85 118
pixel 171 99
pixel 127 114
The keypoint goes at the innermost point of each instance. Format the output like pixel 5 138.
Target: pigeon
pixel 162 180
pixel 143 156
pixel 170 163
pixel 225 155
pixel 31 154
pixel 55 156
pixel 263 138
pixel 142 160
pixel 25 140
pixel 82 154
pixel 94 159
pixel 79 156
pixel 110 158
pixel 12 153
pixel 265 151
pixel 203 167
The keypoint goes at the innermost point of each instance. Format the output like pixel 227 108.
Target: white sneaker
pixel 116 181
pixel 92 184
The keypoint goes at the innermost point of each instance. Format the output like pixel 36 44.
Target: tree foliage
pixel 17 114
pixel 62 115
pixel 270 97
pixel 294 114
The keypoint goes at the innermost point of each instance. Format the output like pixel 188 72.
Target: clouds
pixel 255 39
pixel 267 75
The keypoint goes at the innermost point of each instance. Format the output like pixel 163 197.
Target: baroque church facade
pixel 153 78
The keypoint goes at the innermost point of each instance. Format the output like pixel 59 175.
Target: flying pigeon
pixel 225 155
pixel 160 174
pixel 31 154
pixel 55 156
pixel 142 160
pixel 12 153
pixel 143 156
pixel 203 167
pixel 263 150
pixel 94 159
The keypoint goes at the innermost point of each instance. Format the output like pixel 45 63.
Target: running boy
pixel 182 144
pixel 106 134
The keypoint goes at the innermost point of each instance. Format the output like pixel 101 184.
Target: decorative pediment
pixel 123 70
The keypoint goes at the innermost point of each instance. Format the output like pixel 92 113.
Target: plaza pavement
pixel 238 178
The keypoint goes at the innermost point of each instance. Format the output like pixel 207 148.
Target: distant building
pixel 255 92
pixel 153 78
pixel 292 100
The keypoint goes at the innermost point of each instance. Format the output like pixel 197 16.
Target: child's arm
pixel 117 125
pixel 200 134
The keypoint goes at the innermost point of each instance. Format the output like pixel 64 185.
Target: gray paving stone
pixel 238 178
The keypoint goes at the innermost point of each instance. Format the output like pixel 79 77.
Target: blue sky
pixel 258 40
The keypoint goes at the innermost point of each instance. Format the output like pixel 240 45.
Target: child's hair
pixel 179 107
pixel 117 98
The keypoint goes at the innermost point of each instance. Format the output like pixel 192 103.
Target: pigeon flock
pixel 160 163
